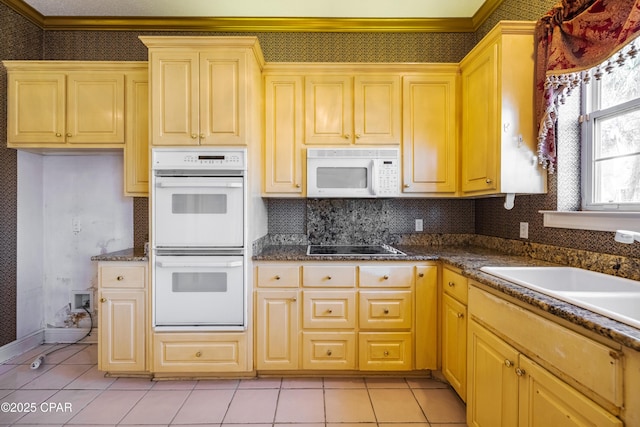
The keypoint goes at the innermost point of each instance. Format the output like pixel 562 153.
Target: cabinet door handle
pixel 508 363
pixel 69 135
pixel 451 284
pixel 202 136
pixel 420 274
pixel 357 136
pixel 198 354
pixel 385 277
pixel 347 136
pixel 520 372
pixel 103 299
pixel 120 278
pixel 460 315
pixel 194 136
pixel 297 185
pixel 294 299
pixel 488 181
pixel 407 186
pixel 58 134
pixel 277 277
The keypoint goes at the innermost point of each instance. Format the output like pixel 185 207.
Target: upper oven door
pixel 198 211
pixel 339 177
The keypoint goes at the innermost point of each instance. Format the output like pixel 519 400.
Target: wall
pixel 20 40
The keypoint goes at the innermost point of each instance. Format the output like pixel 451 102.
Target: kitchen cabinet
pixel 122 339
pixel 68 104
pixel 537 372
pixel 204 90
pixel 506 388
pixel 499 140
pixel 136 150
pixel 284 136
pixel 357 317
pixel 200 352
pixel 430 132
pixel 347 109
pixel 454 329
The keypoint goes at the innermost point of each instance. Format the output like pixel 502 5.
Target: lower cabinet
pixel 454 329
pixel 506 388
pixel 342 316
pixel 200 352
pixel 122 316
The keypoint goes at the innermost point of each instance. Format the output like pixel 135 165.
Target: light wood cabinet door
pixel 377 109
pixel 284 133
pixel 175 98
pixel 36 108
pixel 122 330
pixel 426 318
pixel 223 97
pixel 492 392
pixel 136 151
pixel 454 344
pixel 328 110
pixel 547 401
pixel 430 136
pixel 480 122
pixel 277 329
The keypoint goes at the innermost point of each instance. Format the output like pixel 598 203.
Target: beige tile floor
pixel 69 390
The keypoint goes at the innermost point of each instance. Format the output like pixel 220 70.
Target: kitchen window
pixel 611 138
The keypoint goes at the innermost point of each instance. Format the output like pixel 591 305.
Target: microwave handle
pixel 200 264
pixel 374 177
pixel 191 184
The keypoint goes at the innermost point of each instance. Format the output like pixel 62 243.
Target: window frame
pixel 589 115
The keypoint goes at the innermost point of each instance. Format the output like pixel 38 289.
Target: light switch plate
pixel 419 225
pixel 524 230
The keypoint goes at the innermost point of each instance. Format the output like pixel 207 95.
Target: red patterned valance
pixel 574 36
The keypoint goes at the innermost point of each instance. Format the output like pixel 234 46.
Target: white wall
pixel 82 212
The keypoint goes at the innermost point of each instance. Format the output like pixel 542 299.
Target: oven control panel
pixel 199 159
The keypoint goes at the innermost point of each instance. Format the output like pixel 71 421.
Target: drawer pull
pixel 386 353
pixel 194 136
pixel 329 311
pixel 277 277
pixel 329 352
pixel 294 299
pixel 198 354
pixel 420 274
pixel 328 277
pixel 488 181
pixel 508 363
pixel 451 284
pixel 103 299
pixel 69 135
pixel 58 134
pixel 385 277
pixel 460 315
pixel 120 278
pixel 520 372
pixel 386 311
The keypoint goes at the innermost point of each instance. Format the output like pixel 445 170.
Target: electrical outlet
pixel 524 230
pixel 419 225
pixel 81 300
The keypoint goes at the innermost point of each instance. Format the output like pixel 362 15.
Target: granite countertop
pixel 469 260
pixel 131 254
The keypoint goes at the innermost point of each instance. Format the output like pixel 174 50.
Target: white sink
pixel 610 296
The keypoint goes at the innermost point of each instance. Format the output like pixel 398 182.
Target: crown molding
pixel 253 24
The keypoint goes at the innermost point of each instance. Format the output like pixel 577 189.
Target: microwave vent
pixel 389 153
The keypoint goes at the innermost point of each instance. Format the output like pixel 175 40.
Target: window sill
pixel 592 220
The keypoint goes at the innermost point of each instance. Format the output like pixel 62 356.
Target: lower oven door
pixel 199 291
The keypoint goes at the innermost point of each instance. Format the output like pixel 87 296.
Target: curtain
pixel 573 38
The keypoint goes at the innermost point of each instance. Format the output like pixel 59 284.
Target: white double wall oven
pixel 199 238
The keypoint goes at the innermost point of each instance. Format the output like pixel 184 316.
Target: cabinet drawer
pixel 455 284
pixel 572 356
pixel 341 276
pixel 278 276
pixel 200 352
pixel 386 276
pixel 321 350
pixel 329 309
pixel 385 351
pixel 385 310
pixel 123 275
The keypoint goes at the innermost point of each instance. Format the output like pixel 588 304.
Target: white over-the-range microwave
pixel 353 172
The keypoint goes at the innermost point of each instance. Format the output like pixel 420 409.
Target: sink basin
pixel 610 296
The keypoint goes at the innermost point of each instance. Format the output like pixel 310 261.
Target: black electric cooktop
pixel 353 250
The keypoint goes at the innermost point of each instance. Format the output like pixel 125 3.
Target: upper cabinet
pixel 352 109
pixel 67 104
pixel 204 90
pixel 430 132
pixel 498 118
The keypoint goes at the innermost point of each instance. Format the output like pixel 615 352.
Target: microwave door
pixel 341 178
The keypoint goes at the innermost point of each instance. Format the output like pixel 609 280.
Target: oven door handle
pixel 190 184
pixel 170 264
